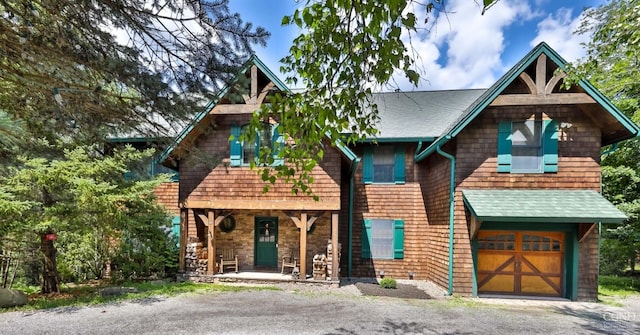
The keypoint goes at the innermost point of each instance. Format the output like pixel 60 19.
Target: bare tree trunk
pixel 50 276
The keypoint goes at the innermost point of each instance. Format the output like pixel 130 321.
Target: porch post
pixel 303 246
pixel 183 237
pixel 334 246
pixel 211 245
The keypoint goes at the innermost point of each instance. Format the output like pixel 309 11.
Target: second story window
pixel 250 149
pixel 245 152
pixel 383 164
pixel 529 146
pixel 526 146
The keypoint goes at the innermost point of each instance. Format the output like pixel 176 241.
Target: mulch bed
pixel 402 291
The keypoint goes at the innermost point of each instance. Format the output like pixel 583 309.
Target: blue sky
pixel 468 50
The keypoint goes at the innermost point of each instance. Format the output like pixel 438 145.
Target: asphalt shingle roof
pixel 423 114
pixel 561 206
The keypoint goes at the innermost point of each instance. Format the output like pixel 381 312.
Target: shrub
pixel 388 283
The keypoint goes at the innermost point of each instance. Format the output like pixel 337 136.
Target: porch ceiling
pixel 559 206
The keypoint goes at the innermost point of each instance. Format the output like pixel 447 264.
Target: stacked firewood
pixel 193 260
pixel 330 258
pixel 320 267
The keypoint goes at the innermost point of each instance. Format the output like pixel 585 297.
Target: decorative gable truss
pixel 230 101
pixel 543 88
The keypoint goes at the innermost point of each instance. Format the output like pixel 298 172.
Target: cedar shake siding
pixel 588 250
pixel 434 178
pixel 391 201
pixel 578 152
pixel 167 194
pixel 476 168
pixel 200 182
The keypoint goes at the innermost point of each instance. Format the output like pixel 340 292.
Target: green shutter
pixel 277 143
pixel 175 228
pixel 550 146
pixel 236 146
pixel 504 146
pixel 398 239
pixel 398 168
pixel 366 239
pixel 367 165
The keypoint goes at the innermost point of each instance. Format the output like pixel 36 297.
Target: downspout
pixel 417 150
pixel 451 212
pixel 612 149
pixel 352 175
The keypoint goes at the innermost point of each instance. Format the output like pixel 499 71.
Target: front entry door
pixel 266 242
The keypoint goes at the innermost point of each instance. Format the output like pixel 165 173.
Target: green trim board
pixel 499 86
pixel 397 139
pixel 136 139
pixel 539 206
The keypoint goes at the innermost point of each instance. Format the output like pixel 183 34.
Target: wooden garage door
pixel 520 263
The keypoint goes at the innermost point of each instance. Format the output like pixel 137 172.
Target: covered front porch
pixel 261 242
pixel 253 277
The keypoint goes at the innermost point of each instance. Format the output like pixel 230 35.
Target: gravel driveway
pixel 300 309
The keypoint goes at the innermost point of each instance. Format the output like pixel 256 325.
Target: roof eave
pixel 397 139
pixel 602 100
pixel 535 219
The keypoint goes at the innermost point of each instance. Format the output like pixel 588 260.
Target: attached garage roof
pixel 562 206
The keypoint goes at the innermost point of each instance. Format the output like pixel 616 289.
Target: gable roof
pixel 499 86
pixel 253 60
pixel 423 115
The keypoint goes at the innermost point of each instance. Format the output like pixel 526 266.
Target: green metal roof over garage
pixel 560 206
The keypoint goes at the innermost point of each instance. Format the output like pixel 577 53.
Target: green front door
pixel 266 241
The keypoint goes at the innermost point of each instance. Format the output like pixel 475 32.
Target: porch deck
pixel 251 277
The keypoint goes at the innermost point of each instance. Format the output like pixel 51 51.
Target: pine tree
pixel 88 68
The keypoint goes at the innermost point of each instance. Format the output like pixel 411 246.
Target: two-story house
pixel 492 191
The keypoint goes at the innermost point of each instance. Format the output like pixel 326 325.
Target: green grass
pixel 612 288
pixel 622 286
pixel 84 295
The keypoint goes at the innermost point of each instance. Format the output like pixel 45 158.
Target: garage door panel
pixel 492 261
pixel 499 283
pixel 538 285
pixel 520 262
pixel 544 263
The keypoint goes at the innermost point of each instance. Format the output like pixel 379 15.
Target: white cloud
pixel 557 30
pixel 463 50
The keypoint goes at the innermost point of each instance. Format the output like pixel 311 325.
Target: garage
pixel 520 263
pixel 535 242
